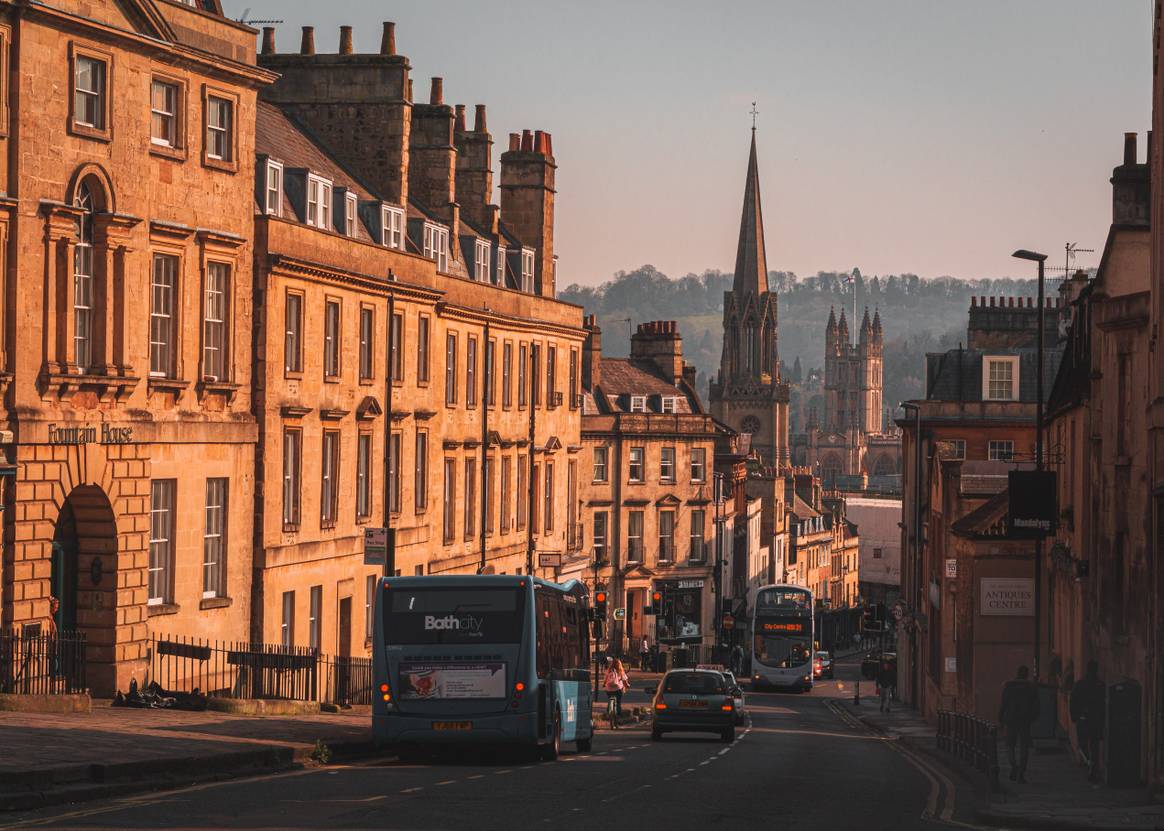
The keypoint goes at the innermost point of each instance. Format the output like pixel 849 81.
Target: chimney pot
pixel 973 301
pixel 549 144
pixel 1148 147
pixel 268 40
pixel 992 302
pixel 1010 302
pixel 1129 148
pixel 410 98
pixel 307 45
pixel 460 118
pixel 345 43
pixel 388 39
pixel 437 93
pixel 527 141
pixel 514 141
pixel 479 120
pixel 539 142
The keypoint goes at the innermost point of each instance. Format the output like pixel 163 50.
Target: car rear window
pixel 694 683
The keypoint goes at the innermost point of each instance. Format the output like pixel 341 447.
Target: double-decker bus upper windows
pixel 436 615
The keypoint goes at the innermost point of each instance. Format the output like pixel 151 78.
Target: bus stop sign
pixel 620 614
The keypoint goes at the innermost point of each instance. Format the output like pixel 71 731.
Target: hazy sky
pixel 930 136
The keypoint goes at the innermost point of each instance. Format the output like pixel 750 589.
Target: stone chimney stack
pixel 433 160
pixel 591 353
pixel 268 40
pixel 356 104
pixel 1131 188
pixel 527 201
pixel 658 341
pixel 475 171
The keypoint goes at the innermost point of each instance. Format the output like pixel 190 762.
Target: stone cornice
pixel 293 266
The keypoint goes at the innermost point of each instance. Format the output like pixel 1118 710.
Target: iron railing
pixel 971 739
pixel 35 664
pixel 258 670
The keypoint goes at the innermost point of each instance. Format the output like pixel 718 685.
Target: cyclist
pixel 615 683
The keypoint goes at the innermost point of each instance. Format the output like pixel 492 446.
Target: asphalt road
pixel 801 763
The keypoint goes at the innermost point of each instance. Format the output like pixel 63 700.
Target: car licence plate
pixel 692 703
pixel 452 725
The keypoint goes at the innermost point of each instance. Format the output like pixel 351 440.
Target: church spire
pixel 751 264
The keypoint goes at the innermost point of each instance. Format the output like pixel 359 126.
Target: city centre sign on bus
pixel 1007 597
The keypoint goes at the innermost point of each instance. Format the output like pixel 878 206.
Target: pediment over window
pixel 668 500
pixel 369 408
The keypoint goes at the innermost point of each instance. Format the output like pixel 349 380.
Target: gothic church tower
pixel 749 394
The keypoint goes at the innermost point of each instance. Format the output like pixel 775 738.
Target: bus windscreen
pixel 453 616
pixel 782 650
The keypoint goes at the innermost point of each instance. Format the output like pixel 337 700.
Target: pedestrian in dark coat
pixel 1088 711
pixel 1018 711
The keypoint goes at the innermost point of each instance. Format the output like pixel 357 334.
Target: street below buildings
pixel 800 762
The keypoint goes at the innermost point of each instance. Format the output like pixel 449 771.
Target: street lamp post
pixel 717 495
pixel 1034 256
pixel 917 557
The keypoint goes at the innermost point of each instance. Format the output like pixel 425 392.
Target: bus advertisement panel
pixel 782 628
pixel 481 659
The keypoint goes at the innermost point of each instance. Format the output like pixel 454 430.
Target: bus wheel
pixel 584 745
pixel 551 751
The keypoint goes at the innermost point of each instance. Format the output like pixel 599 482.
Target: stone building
pixel 648 487
pixel 125 356
pixel 979 408
pixel 748 394
pixel 1098 419
pixel 417 372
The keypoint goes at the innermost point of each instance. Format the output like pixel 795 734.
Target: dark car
pixel 822 665
pixel 693 700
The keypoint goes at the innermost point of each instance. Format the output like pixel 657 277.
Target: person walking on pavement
pixel 644 653
pixel 1088 709
pixel 886 681
pixel 1017 712
pixel 615 683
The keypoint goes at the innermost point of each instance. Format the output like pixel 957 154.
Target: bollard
pixel 857 693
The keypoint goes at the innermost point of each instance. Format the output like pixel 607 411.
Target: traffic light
pixel 600 604
pixel 869 620
pixel 655 607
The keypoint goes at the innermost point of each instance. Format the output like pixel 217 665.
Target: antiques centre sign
pixel 1008 597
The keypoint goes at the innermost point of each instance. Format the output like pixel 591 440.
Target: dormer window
pixel 274 190
pixel 638 403
pixel 318 201
pixel 668 403
pixel 436 245
pixel 481 262
pixel 1000 378
pixel 499 278
pixel 350 205
pixel 392 227
pixel 527 270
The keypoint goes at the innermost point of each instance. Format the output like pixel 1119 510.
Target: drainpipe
pixel 531 486
pixel 486 402
pixel 389 562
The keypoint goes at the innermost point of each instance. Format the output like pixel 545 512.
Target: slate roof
pixel 983 519
pixel 956 375
pixel 623 377
pixel 802 509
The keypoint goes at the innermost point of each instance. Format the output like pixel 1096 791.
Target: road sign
pixel 551 559
pixel 620 614
pixel 951 568
pixel 375 546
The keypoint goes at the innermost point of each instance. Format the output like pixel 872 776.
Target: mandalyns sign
pixel 1007 597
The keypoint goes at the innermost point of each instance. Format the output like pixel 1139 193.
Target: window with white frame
pixel 601 458
pixel 394 469
pixel 331 339
pixel 698 464
pixel 957 448
pixel 481 262
pixel 668 403
pixel 549 500
pixel 89 92
pixel 667 464
pixel 638 403
pixel 163 315
pixel 351 203
pixel 363 475
pixel 219 128
pixel 527 270
pixel 293 333
pixel 214 343
pixel 329 478
pixel 601 520
pixel 318 202
pixel 420 472
pixel 214 545
pixel 470 519
pixel 1000 376
pixel 499 271
pixel 698 550
pixel 314 611
pixel 83 282
pixel 436 245
pixel 635 467
pixel 287 626
pixel 370 584
pixel 392 227
pixel 449 523
pixel 367 340
pixel 164 98
pixel 450 369
pixel 161 583
pixel 422 328
pixel 274 188
pixel 1000 450
pixel 292 463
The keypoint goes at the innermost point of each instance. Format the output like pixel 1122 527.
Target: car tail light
pixel 660 705
pixel 727 708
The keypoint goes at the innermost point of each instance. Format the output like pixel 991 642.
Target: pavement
pixel 797 764
pixel 1057 794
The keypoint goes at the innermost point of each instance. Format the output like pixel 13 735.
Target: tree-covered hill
pixel 917 315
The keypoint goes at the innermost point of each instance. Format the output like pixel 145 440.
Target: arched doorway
pixel 84 578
